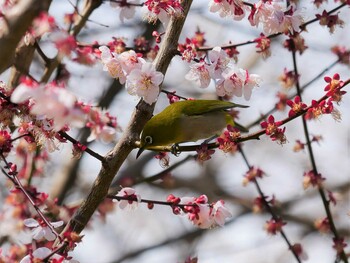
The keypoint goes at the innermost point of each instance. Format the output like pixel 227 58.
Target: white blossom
pixel 144 82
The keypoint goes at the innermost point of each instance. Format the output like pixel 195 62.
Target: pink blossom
pixel 133 198
pixel 204 215
pixel 145 82
pixel 199 213
pixel 50 101
pixel 251 81
pixel 105 134
pixel 219 60
pixel 64 42
pixel 275 18
pixel 43 252
pixel 103 126
pixel 162 10
pixel 233 82
pixel 85 56
pixel 112 64
pixel 42 24
pixel 280 20
pixel 129 60
pixel 233 8
pixel 200 74
pixel 220 213
pixel 41 230
pixel 237 82
pixel 127 8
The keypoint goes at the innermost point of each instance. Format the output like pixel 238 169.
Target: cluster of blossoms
pixel 44 110
pixel 228 8
pixel 152 9
pixel 227 140
pixel 140 77
pixel 229 80
pixel 51 101
pixel 163 10
pixel 16 208
pixel 198 210
pixel 273 15
pixel 102 125
pixel 333 88
pixel 188 49
pixel 272 129
pixel 334 93
pixel 275 18
pixel 65 43
pixel 42 253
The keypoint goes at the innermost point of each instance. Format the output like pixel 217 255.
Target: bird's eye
pixel 148 139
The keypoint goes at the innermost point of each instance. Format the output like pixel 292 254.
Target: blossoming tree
pixel 59 125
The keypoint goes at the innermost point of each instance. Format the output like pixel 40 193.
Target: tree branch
pixel 141 114
pixel 17 21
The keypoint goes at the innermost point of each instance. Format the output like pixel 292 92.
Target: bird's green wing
pixel 198 107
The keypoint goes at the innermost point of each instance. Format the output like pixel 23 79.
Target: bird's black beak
pixel 140 151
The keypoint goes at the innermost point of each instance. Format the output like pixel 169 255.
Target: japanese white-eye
pixel 187 121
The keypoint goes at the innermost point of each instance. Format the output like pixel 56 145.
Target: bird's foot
pixel 175 149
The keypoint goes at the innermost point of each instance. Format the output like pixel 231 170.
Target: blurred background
pixel 157 235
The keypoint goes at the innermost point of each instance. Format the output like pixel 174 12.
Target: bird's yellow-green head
pixel 185 121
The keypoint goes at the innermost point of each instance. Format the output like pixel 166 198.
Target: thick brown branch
pixel 16 22
pixel 140 116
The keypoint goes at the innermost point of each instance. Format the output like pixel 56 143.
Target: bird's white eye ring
pixel 148 139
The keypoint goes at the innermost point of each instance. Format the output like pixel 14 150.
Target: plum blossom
pixel 237 82
pixel 50 101
pixel 133 198
pixel 64 42
pixel 144 82
pixel 220 60
pixel 220 213
pixel 40 229
pixel 200 74
pixel 42 24
pixel 129 60
pixel 127 8
pixel 274 17
pixel 112 64
pixel 102 125
pixel 234 8
pixel 229 80
pixel 43 252
pixel 205 215
pixel 162 10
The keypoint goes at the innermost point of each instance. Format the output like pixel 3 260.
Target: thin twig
pixel 268 207
pixel 19 186
pixel 265 115
pixel 88 150
pixel 302 27
pixel 314 167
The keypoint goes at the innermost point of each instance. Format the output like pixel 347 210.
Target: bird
pixel 187 121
